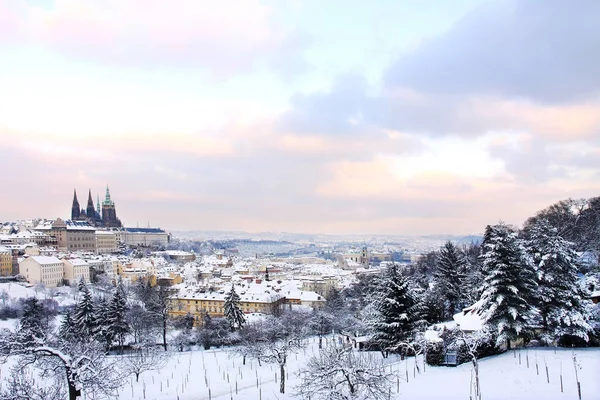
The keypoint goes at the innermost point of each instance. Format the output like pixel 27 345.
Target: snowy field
pixel 190 375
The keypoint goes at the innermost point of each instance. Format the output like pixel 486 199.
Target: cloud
pixel 533 160
pixel 544 51
pixel 225 36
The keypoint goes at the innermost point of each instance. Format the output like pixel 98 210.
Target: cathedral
pixel 105 217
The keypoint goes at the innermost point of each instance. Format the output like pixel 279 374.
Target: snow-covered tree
pixel 280 338
pixel 81 367
pixel 144 359
pixel 450 279
pixel 399 314
pixel 232 310
pixel 84 317
pixel 116 315
pixel 339 373
pixel 508 286
pixel 321 323
pixel 558 296
pixel 31 330
pixel 157 303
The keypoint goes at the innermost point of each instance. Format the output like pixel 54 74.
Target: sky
pixel 339 116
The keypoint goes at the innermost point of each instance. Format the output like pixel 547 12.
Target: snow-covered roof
pixel 469 319
pixel 45 260
pixel 595 293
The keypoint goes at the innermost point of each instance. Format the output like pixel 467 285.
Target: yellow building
pixel 199 304
pixel 5 262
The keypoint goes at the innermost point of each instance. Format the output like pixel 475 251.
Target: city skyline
pixel 408 117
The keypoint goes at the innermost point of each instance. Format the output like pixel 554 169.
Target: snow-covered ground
pixel 189 375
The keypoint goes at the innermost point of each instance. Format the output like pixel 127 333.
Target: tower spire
pixel 75 210
pixel 90 210
pixel 98 209
pixel 107 199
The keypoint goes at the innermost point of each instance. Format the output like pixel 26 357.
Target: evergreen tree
pixel 101 324
pixel 450 279
pixel 508 285
pixel 67 332
pixel 32 331
pixel 232 309
pixel 399 313
pixel 558 298
pixel 116 315
pixel 84 317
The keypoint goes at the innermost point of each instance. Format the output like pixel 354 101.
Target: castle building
pixel 92 215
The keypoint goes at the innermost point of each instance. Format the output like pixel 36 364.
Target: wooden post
pixel 561 383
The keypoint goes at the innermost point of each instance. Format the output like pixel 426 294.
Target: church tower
pixel 109 213
pixel 75 210
pixel 90 211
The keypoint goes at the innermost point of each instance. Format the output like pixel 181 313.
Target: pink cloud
pixel 10 20
pixel 227 35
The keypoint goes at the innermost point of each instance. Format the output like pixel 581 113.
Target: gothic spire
pixel 75 211
pixel 91 210
pixel 98 209
pixel 107 199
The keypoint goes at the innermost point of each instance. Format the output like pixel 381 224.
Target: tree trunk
pixel 74 393
pixel 477 388
pixel 164 333
pixel 282 380
pixel 320 342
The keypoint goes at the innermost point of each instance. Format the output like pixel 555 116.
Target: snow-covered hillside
pixel 189 375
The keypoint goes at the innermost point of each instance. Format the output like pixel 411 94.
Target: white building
pixel 106 242
pixel 42 269
pixel 75 269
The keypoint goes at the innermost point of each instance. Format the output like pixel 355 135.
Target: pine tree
pixel 508 285
pixel 232 309
pixel 399 313
pixel 32 331
pixel 67 332
pixel 84 317
pixel 558 298
pixel 450 279
pixel 101 324
pixel 116 315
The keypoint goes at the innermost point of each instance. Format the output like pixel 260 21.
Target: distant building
pixel 106 242
pixel 108 217
pixel 40 269
pixel 75 269
pixel 6 259
pixel 147 237
pixel 70 235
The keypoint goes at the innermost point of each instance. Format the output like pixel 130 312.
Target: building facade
pixel 40 269
pixel 6 260
pixel 75 269
pixel 106 242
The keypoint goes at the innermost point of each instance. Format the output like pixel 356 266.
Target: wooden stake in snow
pixel 576 375
pixel 561 384
pixel 537 370
pixel 547 375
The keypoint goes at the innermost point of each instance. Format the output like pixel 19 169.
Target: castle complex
pixel 105 217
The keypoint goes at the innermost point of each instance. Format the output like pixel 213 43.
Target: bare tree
pixel 20 385
pixel 144 359
pixel 471 344
pixel 339 373
pixel 83 367
pixel 278 340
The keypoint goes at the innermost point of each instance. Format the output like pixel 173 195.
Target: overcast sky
pixel 336 116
